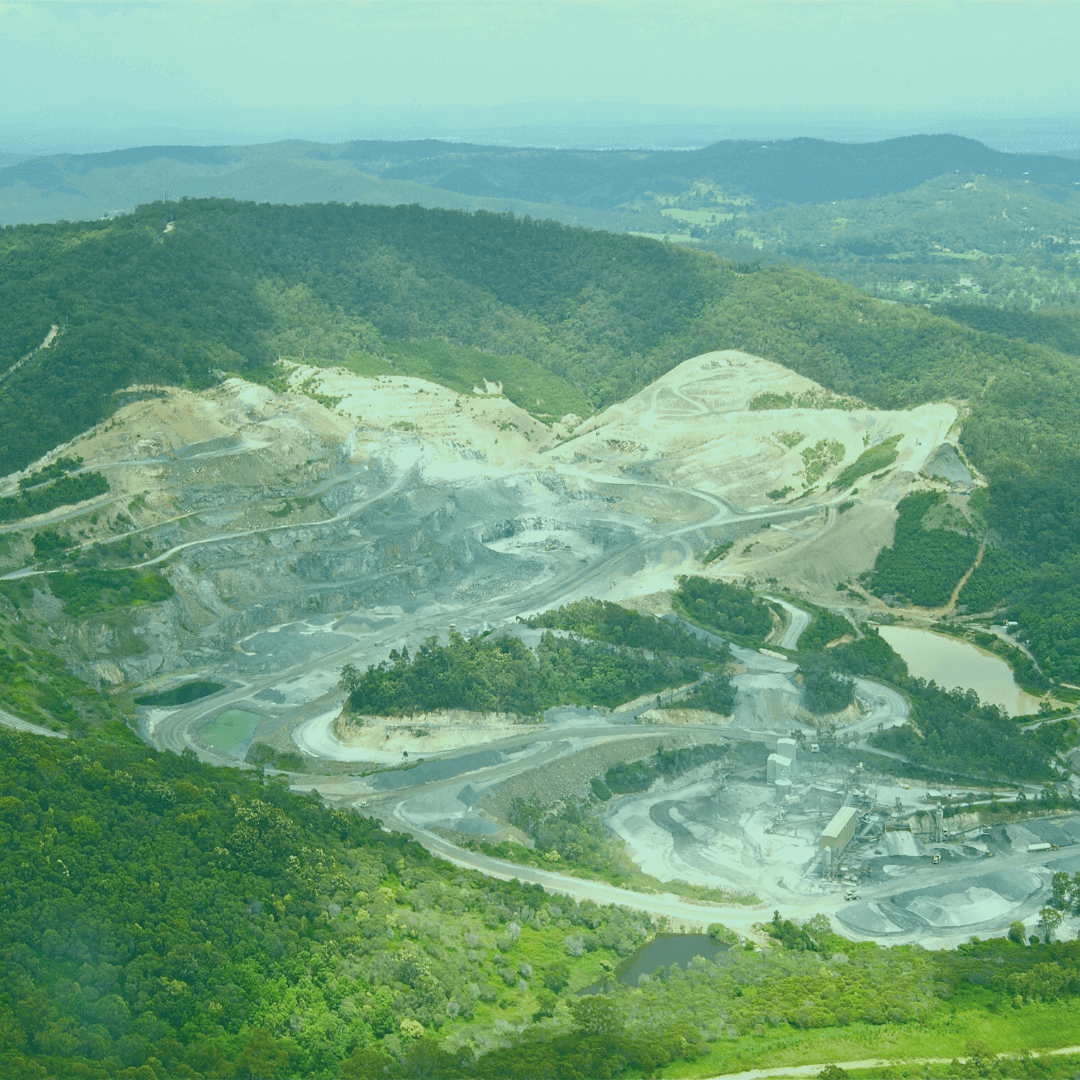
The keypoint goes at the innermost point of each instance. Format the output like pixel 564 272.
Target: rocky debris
pixel 568 777
pixel 945 464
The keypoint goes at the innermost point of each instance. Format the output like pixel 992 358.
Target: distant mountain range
pixel 618 189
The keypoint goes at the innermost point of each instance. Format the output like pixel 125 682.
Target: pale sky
pixel 306 66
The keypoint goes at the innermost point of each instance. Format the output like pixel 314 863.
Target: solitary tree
pixel 1049 920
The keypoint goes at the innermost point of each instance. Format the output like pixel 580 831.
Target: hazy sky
pixel 199 63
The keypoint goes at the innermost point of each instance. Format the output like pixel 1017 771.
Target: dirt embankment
pixel 684 716
pixel 443 729
pixel 830 720
pixel 568 777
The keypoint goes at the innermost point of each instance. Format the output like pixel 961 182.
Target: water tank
pixel 777 767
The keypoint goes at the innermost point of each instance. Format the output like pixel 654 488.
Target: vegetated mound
pixel 602 620
pixel 826 691
pixel 502 675
pixel 728 610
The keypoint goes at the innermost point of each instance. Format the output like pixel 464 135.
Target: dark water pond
pixel 181 695
pixel 663 951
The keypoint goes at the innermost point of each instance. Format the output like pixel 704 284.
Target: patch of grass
pixel 821 456
pixel 524 382
pixel 717 552
pixel 41 497
pixel 769 400
pixel 946 1034
pixel 263 754
pixel 780 493
pixel 93 592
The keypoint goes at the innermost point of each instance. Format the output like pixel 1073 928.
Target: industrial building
pixel 788 748
pixel 841 830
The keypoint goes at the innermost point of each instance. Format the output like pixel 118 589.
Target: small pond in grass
pixel 663 951
pixel 180 695
pixel 230 730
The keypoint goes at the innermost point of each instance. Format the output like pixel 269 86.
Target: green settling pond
pixel 230 730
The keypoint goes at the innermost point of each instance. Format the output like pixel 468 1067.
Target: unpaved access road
pixel 24 725
pixel 800 620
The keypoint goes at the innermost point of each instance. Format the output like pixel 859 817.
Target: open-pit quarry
pixel 351 516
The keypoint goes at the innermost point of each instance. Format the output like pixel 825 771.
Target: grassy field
pixel 947 1034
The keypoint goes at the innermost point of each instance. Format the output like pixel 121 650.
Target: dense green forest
pixel 159 914
pixel 501 674
pixel 726 609
pixel 999 574
pixel 233 286
pixel 1058 330
pixel 923 565
pixel 605 621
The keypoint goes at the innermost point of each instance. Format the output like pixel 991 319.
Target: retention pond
pixel 663 951
pixel 952 663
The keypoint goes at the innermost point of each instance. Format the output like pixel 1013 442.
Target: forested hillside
pixel 776 172
pixel 962 238
pixel 230 287
pixel 164 918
